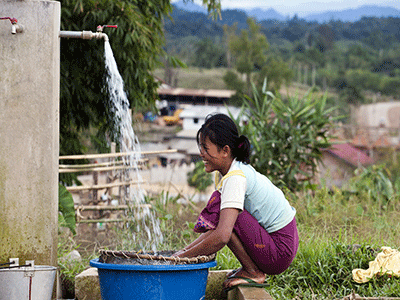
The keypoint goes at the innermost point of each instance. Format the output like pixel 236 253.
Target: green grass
pixel 70 268
pixel 323 270
pixel 338 233
pixel 329 223
pixel 197 78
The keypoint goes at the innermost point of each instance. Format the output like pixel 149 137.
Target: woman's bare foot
pixel 257 277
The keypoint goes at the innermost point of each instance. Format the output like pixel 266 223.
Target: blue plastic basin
pixel 148 282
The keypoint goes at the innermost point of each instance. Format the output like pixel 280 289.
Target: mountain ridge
pixel 346 15
pixel 354 14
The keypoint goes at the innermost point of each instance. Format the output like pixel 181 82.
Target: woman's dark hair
pixel 221 130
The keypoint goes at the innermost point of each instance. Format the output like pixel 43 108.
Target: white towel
pixel 386 262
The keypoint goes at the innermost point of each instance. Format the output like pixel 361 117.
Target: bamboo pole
pixel 102 221
pixel 101 186
pixel 107 207
pixel 183 196
pixel 97 169
pixel 119 154
pixel 102 164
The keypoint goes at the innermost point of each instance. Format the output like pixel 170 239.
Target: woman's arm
pixel 198 240
pixel 213 240
pixel 194 243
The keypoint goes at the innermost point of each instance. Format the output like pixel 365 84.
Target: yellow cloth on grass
pixel 387 261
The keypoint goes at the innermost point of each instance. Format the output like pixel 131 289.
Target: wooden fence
pixel 115 179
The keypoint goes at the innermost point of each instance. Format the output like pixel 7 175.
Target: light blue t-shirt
pixel 244 187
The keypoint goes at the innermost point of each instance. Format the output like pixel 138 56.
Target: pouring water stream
pixel 140 215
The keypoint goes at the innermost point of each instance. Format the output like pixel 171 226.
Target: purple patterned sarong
pixel 271 252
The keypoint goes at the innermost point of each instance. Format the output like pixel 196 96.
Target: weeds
pixel 339 231
pixel 324 271
pixel 69 268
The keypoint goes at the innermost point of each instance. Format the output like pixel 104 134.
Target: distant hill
pixel 352 15
pixel 265 14
pixel 190 27
pixel 232 16
pixel 186 23
pixel 189 6
pixel 257 13
pixel 348 15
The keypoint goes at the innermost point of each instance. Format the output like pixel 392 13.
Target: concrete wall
pixel 386 114
pixel 29 131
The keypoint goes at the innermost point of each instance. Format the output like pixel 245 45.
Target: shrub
pixel 286 136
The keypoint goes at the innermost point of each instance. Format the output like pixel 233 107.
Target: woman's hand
pixel 213 240
pixel 178 253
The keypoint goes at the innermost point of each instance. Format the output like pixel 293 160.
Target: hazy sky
pixel 304 6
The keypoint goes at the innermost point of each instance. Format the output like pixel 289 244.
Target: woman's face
pixel 214 158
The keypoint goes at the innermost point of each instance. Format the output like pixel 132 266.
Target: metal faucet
pixel 15 27
pixel 100 27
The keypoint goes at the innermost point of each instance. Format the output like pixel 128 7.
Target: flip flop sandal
pixel 232 273
pixel 250 283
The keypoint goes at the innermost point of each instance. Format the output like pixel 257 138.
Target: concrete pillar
pixel 29 131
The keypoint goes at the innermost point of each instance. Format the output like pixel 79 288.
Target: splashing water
pixel 140 214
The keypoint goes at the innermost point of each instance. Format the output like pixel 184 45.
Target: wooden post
pixel 112 172
pixel 299 73
pixel 95 182
pixel 313 75
pixel 305 79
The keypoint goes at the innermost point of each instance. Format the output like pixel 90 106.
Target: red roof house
pixel 339 163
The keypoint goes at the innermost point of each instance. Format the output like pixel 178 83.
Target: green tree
pixel 359 57
pixel 249 50
pixel 326 38
pixel 329 74
pixel 364 79
pixel 295 29
pixel 229 32
pixel 390 85
pixel 351 94
pixel 287 136
pixel 208 54
pixel 250 56
pixel 233 82
pixel 277 72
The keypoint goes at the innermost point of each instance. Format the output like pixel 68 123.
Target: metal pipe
pixel 86 35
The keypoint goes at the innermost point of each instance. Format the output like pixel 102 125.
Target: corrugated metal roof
pixel 219 93
pixel 382 142
pixel 188 134
pixel 202 111
pixel 196 92
pixel 360 141
pixel 350 154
